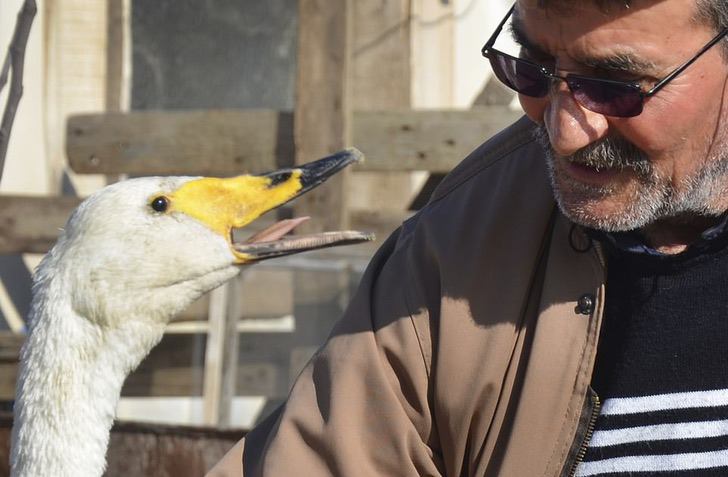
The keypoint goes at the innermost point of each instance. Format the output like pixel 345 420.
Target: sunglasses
pixel 622 99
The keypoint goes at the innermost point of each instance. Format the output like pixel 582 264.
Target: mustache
pixel 609 153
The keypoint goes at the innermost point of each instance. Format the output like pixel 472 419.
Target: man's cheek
pixel 533 107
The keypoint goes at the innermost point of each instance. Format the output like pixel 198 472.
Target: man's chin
pixel 612 207
pixel 608 199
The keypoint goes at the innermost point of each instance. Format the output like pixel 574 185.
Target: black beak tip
pixel 316 172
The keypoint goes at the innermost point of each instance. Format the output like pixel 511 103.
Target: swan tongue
pixel 277 230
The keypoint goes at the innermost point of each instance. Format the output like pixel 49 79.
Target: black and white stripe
pixel 668 434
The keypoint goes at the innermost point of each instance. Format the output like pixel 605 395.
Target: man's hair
pixel 712 12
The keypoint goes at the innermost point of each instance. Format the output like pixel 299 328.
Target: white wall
pixel 25 164
pixel 448 69
pixel 476 20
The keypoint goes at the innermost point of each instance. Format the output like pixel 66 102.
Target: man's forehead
pixel 590 14
pixel 609 7
pixel 633 39
pixel 606 6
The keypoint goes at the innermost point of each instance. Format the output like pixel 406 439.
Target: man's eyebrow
pixel 627 62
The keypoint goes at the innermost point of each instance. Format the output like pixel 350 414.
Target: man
pixel 488 336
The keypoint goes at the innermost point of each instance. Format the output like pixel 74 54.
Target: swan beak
pixel 232 203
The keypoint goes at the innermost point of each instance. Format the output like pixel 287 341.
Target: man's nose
pixel 571 126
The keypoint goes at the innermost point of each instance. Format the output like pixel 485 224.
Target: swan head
pixel 148 247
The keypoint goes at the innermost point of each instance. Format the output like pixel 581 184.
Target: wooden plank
pixel 381 54
pixel 8 378
pixel 231 142
pixel 10 344
pixel 118 55
pixel 434 140
pixel 31 224
pixel 214 142
pixel 322 125
pixel 212 406
pixel 322 115
pixel 221 356
pixel 381 80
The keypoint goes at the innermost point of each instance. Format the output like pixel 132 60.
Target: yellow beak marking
pixel 224 204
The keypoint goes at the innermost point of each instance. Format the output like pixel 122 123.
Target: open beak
pixel 227 204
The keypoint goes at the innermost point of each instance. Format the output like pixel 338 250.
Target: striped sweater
pixel 662 365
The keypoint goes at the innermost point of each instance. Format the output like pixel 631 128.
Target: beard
pixel 654 197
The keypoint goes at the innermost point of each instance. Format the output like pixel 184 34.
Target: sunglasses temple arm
pixel 494 36
pixel 685 65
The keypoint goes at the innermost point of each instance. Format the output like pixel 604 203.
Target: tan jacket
pixel 464 352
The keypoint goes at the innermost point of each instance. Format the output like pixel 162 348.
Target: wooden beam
pixel 230 142
pixel 381 60
pixel 322 115
pixel 216 142
pixel 221 355
pixel 214 357
pixel 322 125
pixel 10 344
pixel 118 55
pixel 433 140
pixel 31 224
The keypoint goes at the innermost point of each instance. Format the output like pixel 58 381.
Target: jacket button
pixel 585 304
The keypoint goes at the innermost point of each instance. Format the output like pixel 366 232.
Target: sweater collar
pixel 633 241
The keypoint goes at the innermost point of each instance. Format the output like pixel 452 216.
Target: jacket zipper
pixel 595 409
pixel 595 403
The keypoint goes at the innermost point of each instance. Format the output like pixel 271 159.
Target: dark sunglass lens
pixel 520 75
pixel 606 97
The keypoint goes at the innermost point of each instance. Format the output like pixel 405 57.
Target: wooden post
pixel 118 61
pixel 118 55
pixel 322 125
pixel 322 117
pixel 221 354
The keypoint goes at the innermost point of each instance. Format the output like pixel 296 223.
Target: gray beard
pixel 657 197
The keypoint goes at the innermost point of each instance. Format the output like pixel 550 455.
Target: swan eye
pixel 160 204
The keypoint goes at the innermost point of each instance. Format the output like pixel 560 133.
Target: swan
pixel 130 257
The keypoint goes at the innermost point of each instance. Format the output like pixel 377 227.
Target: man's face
pixel 624 173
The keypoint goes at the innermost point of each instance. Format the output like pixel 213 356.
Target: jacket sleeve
pixel 360 407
